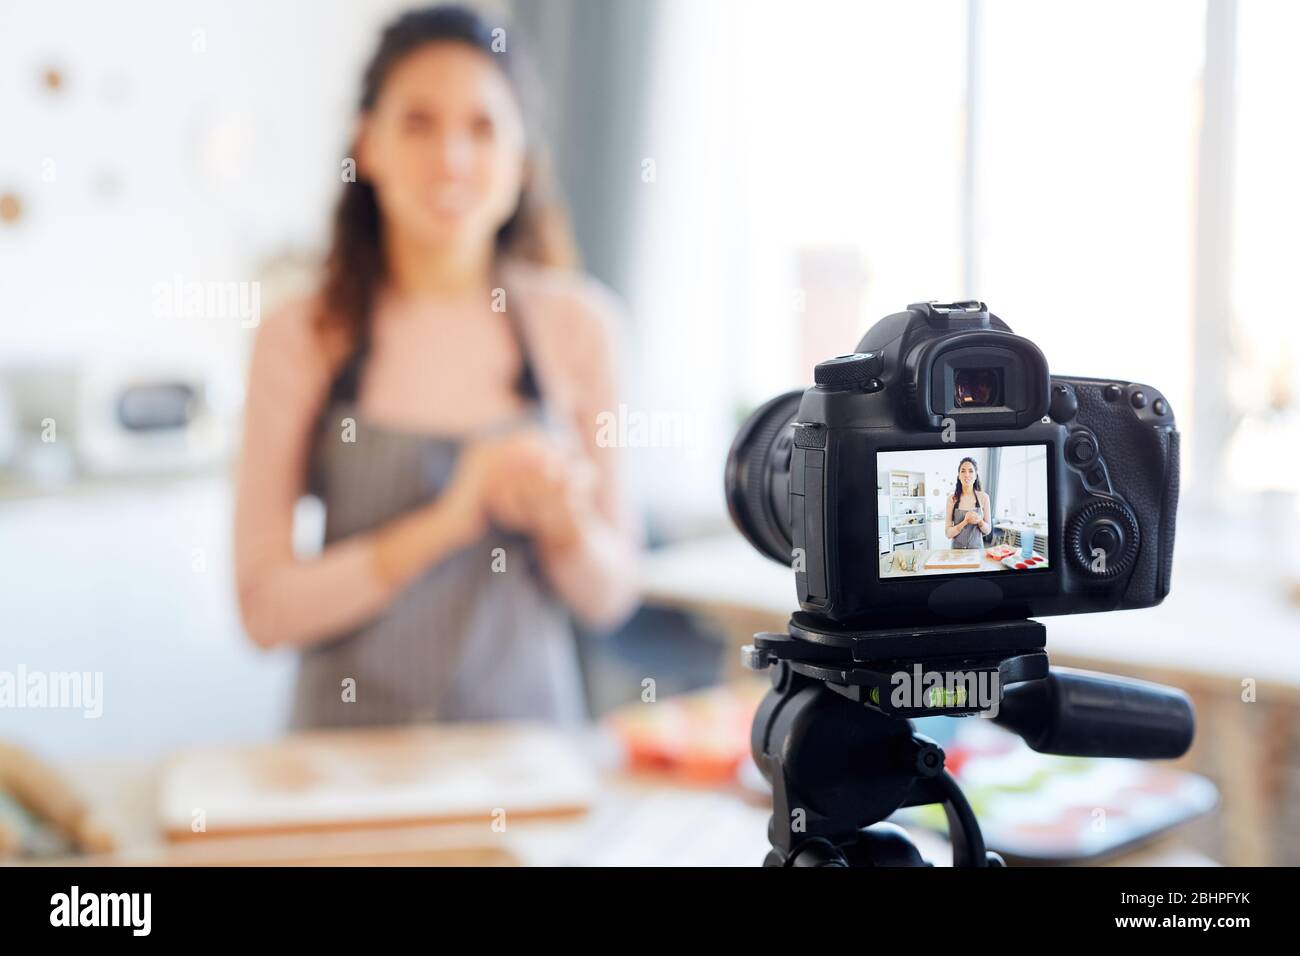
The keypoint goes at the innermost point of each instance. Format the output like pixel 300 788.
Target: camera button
pixel 1065 404
pixel 1081 449
pixel 1138 399
pixel 1096 480
pixel 1160 407
pixel 1105 538
pixel 1102 540
pixel 1112 393
pixel 846 372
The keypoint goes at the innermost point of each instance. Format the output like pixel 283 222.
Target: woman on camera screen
pixel 438 394
pixel 968 509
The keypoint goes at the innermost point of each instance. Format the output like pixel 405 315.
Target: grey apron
pixel 477 636
pixel 970 536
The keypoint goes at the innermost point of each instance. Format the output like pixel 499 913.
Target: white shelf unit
pixel 902 506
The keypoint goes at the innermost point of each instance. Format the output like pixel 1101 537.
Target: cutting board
pixel 957 559
pixel 345 779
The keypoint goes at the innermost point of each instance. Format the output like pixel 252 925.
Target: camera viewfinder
pixel 977 387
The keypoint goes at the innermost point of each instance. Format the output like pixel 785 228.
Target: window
pixel 1087 117
pixel 1262 368
pixel 1059 161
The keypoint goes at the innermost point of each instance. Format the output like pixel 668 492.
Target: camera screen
pixel 949 511
pixel 976 387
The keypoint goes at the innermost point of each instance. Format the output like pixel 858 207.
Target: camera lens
pixel 758 476
pixel 976 387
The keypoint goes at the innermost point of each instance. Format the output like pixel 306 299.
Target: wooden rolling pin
pixel 49 797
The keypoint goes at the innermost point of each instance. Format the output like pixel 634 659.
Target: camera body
pixel 857 482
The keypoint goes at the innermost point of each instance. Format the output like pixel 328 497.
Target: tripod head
pixel 834 737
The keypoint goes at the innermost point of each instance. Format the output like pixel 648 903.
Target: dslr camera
pixel 933 491
pixel 941 473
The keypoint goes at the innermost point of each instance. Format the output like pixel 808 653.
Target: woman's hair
pixel 956 492
pixel 537 231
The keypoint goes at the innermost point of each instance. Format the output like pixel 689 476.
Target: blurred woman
pixel 439 395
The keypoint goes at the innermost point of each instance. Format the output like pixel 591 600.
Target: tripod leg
pixel 963 829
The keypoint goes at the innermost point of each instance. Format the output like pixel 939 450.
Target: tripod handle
pixel 1085 714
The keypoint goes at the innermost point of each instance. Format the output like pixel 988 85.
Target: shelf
pixel 897 487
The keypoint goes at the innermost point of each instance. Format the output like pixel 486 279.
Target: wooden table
pixel 984 564
pixel 635 820
pixel 638 819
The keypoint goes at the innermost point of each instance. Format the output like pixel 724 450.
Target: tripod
pixel 834 737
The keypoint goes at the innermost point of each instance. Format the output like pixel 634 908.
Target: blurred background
pixel 758 182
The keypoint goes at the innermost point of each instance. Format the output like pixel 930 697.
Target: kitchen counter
pixel 640 819
pixel 636 819
pixel 986 565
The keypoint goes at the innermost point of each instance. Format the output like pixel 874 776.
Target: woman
pixel 968 509
pixel 439 395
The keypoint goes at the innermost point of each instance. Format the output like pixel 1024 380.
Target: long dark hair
pixel 956 492
pixel 538 231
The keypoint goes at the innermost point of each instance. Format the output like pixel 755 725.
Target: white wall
pixel 1022 485
pixel 192 139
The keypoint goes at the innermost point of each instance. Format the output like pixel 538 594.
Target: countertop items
pixel 357 778
pixel 41 813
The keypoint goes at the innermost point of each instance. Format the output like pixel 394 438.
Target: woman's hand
pixel 552 505
pixel 529 483
pixel 466 492
pixel 522 481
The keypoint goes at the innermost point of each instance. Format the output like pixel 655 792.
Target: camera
pixel 934 490
pixel 940 473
